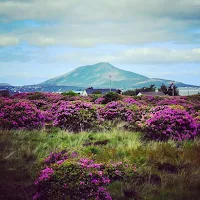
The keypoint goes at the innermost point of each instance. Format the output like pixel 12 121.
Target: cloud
pixel 159 56
pixel 89 23
pixel 8 40
pixel 149 56
pixel 92 11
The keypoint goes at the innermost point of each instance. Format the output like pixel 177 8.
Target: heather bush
pixel 197 119
pixel 138 115
pixel 76 116
pixel 65 175
pixel 115 110
pixel 48 96
pixel 41 104
pixel 163 123
pixel 150 100
pixel 111 96
pixel 20 115
pixel 178 101
pixel 131 101
pixel 99 100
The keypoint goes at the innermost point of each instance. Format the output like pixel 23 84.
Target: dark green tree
pixel 163 89
pixel 171 90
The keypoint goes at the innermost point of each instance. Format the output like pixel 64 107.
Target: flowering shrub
pixel 115 110
pixel 41 104
pixel 150 100
pixel 84 113
pixel 20 115
pixel 197 119
pixel 188 106
pixel 108 97
pixel 99 100
pixel 76 116
pixel 170 123
pixel 68 176
pixel 45 96
pixel 131 101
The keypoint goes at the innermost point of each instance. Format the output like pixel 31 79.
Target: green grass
pixel 22 153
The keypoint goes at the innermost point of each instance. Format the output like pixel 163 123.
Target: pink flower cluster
pixel 33 110
pixel 115 110
pixel 73 177
pixel 20 115
pixel 165 122
pixel 76 116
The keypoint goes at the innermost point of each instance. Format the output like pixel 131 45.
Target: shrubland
pixel 72 147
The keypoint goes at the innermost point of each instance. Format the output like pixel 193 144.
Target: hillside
pixel 4 84
pixel 98 75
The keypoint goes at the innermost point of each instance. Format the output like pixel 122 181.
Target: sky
pixel 42 39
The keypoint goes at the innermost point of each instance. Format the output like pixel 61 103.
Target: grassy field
pixel 165 170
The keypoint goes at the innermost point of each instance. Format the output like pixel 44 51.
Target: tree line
pixel 170 90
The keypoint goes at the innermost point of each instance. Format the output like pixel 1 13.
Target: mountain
pixel 100 75
pixel 39 88
pixel 4 84
pixel 97 75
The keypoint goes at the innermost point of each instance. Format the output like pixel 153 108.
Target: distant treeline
pixel 170 90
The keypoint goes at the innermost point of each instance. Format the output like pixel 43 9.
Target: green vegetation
pixel 165 170
pixel 151 88
pixel 97 92
pixel 111 96
pixel 70 93
pixel 170 90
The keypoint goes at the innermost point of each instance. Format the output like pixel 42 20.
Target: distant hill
pixel 98 75
pixel 40 88
pixel 4 84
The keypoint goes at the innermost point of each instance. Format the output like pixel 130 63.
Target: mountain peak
pixel 101 65
pixel 97 75
pixel 100 74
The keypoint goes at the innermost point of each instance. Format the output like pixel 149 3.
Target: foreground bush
pixel 108 97
pixel 20 115
pixel 76 116
pixel 67 176
pixel 116 110
pixel 165 122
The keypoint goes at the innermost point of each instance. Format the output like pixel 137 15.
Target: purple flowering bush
pixel 115 110
pixel 20 115
pixel 163 123
pixel 131 101
pixel 108 97
pixel 196 117
pixel 76 116
pixel 32 110
pixel 68 176
pixel 99 100
pixel 178 101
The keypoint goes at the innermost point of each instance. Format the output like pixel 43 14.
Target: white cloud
pixel 89 23
pixel 90 10
pixel 8 40
pixel 136 56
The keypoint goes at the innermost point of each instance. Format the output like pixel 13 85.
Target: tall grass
pixel 24 151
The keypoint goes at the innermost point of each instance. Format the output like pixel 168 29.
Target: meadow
pixel 57 146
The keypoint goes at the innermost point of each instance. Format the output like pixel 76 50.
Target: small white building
pixel 84 93
pixel 151 94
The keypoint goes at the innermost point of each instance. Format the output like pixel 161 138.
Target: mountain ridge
pixel 102 74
